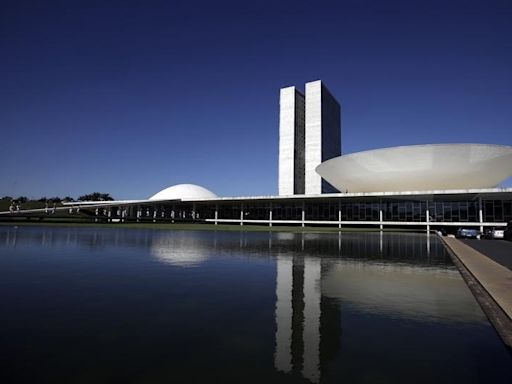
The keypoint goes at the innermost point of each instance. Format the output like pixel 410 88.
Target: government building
pixel 424 186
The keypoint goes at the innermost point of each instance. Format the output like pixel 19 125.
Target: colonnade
pixel 143 212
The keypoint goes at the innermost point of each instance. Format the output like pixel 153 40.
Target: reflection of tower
pixel 283 356
pixel 311 336
pixel 302 316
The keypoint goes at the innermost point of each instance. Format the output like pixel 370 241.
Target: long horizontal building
pixel 479 208
pixel 427 186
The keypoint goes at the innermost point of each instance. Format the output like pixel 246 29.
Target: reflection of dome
pixel 184 191
pixel 419 168
pixel 181 252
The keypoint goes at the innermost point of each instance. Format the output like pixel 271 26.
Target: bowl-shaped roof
pixel 184 191
pixel 420 168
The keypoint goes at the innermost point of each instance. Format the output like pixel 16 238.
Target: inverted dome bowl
pixel 420 168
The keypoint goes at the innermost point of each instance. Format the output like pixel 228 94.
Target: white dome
pixel 420 168
pixel 184 191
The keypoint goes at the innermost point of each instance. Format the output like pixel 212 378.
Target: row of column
pixel 122 214
pixel 381 216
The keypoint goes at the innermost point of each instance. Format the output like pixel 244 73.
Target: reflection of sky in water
pixel 316 302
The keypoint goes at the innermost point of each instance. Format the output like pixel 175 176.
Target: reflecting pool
pixel 99 305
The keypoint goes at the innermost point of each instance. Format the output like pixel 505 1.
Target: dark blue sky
pixel 128 97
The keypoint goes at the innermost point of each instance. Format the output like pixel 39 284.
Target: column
pixel 242 214
pixel 480 215
pixel 109 214
pixel 303 213
pixel 97 213
pixel 381 225
pixel 270 216
pixel 339 214
pixel 427 213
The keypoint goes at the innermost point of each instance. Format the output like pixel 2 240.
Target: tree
pixel 106 197
pixel 96 196
pixel 68 199
pixel 22 199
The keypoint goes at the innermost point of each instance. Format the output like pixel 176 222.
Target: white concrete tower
pixel 323 135
pixel 291 142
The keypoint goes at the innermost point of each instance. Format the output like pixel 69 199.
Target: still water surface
pixel 91 305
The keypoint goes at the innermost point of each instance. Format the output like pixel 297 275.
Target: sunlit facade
pixel 420 168
pixel 423 186
pixel 309 134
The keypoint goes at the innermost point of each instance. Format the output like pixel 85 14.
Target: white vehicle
pixel 498 233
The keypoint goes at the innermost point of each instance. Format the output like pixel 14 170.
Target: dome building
pixel 183 192
pixel 423 186
pixel 420 168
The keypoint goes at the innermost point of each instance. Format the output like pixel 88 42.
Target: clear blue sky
pixel 129 97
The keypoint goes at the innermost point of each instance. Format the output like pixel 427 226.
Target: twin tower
pixel 309 134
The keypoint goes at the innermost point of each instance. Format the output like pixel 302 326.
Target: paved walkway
pixel 489 281
pixel 494 277
pixel 498 250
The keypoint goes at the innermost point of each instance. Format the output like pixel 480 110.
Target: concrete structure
pixel 323 135
pixel 426 186
pixel 420 168
pixel 309 133
pixel 291 142
pixel 490 282
pixel 184 191
pixel 478 208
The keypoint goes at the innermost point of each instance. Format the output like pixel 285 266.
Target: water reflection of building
pixel 303 315
pixel 412 292
pixel 398 276
pixel 182 251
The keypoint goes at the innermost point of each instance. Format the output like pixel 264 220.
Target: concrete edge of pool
pixel 490 283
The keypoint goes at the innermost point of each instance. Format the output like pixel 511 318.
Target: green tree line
pixel 27 203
